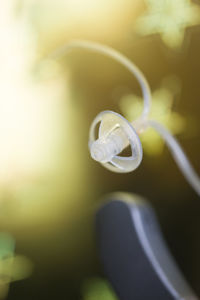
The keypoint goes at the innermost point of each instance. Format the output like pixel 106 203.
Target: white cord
pixel 121 164
pixel 178 155
pixel 108 51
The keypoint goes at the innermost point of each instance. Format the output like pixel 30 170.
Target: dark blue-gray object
pixel 135 256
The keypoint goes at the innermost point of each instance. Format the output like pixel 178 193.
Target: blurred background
pixel 50 188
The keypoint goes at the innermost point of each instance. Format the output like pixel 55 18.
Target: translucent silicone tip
pixel 115 134
pixel 98 152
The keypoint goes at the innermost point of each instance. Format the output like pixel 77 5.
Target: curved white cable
pixel 178 155
pixel 115 133
pixel 108 51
